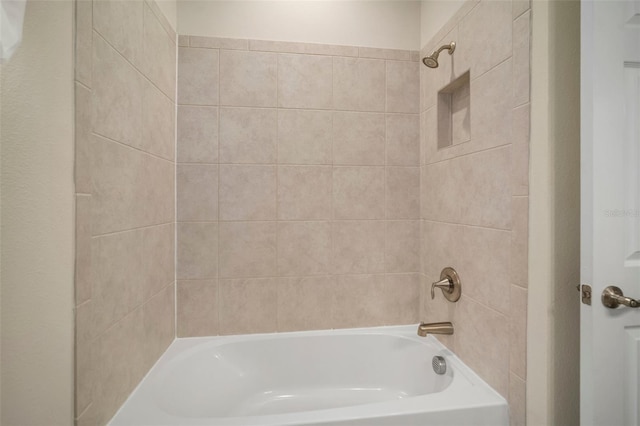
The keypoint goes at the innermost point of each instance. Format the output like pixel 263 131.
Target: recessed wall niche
pixel 454 113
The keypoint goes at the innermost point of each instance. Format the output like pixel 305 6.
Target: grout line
pixel 81 84
pixel 79 416
pixel 107 138
pixel 468 225
pixel 175 197
pixel 455 157
pixel 139 228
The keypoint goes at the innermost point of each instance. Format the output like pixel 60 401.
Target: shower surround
pixel 310 190
pixel 297 186
pixel 474 194
pixel 125 201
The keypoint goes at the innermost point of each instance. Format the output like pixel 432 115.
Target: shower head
pixel 432 60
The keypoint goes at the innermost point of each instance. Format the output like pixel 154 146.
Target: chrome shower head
pixel 432 60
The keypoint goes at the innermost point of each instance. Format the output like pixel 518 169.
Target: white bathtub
pixel 369 376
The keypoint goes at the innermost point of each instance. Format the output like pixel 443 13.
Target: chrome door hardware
pixel 449 284
pixel 612 297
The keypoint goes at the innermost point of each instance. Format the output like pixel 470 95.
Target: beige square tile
pixel 120 22
pixel 121 357
pixel 517 401
pixel 247 249
pixel 402 248
pixel 485 193
pixel 403 139
pixel 83 249
pixel 82 170
pixel 485 266
pixel 482 342
pixel 402 297
pixel 304 248
pixel 159 62
pixel 358 301
pixel 248 78
pixel 442 185
pixel 83 44
pixel 482 45
pixel 247 192
pixel 370 300
pixel 158 123
pixel 444 246
pixel 518 331
pixel 248 306
pixel 115 206
pixel 358 246
pixel 159 318
pixel 403 87
pixel 116 94
pixel 521 58
pixel 156 190
pixel 305 303
pixel 197 308
pixel 520 241
pixel 358 138
pixel 520 150
pixel 358 84
pixel 131 189
pixel 403 193
pixel 117 273
pixel 158 258
pixel 492 107
pixel 197 250
pixel 197 134
pixel 304 192
pixel 358 192
pixel 305 81
pixel 248 135
pixel 197 192
pixel 304 137
pixel 198 76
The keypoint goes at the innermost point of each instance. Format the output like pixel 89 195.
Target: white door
pixel 610 235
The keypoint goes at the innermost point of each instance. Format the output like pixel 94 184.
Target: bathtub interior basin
pixel 319 377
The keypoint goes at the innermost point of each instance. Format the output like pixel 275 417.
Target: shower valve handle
pixel 449 284
pixel 444 284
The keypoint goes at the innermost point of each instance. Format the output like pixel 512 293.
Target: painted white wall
pixel 37 199
pixel 170 10
pixel 434 14
pixel 385 24
pixel 553 321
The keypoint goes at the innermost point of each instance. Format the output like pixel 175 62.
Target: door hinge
pixel 585 291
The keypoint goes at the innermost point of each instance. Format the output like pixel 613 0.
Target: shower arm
pixel 441 48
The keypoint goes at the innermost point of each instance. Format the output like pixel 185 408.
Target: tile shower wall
pixel 297 186
pixel 474 194
pixel 125 221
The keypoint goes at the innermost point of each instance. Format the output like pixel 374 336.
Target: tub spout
pixel 435 328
